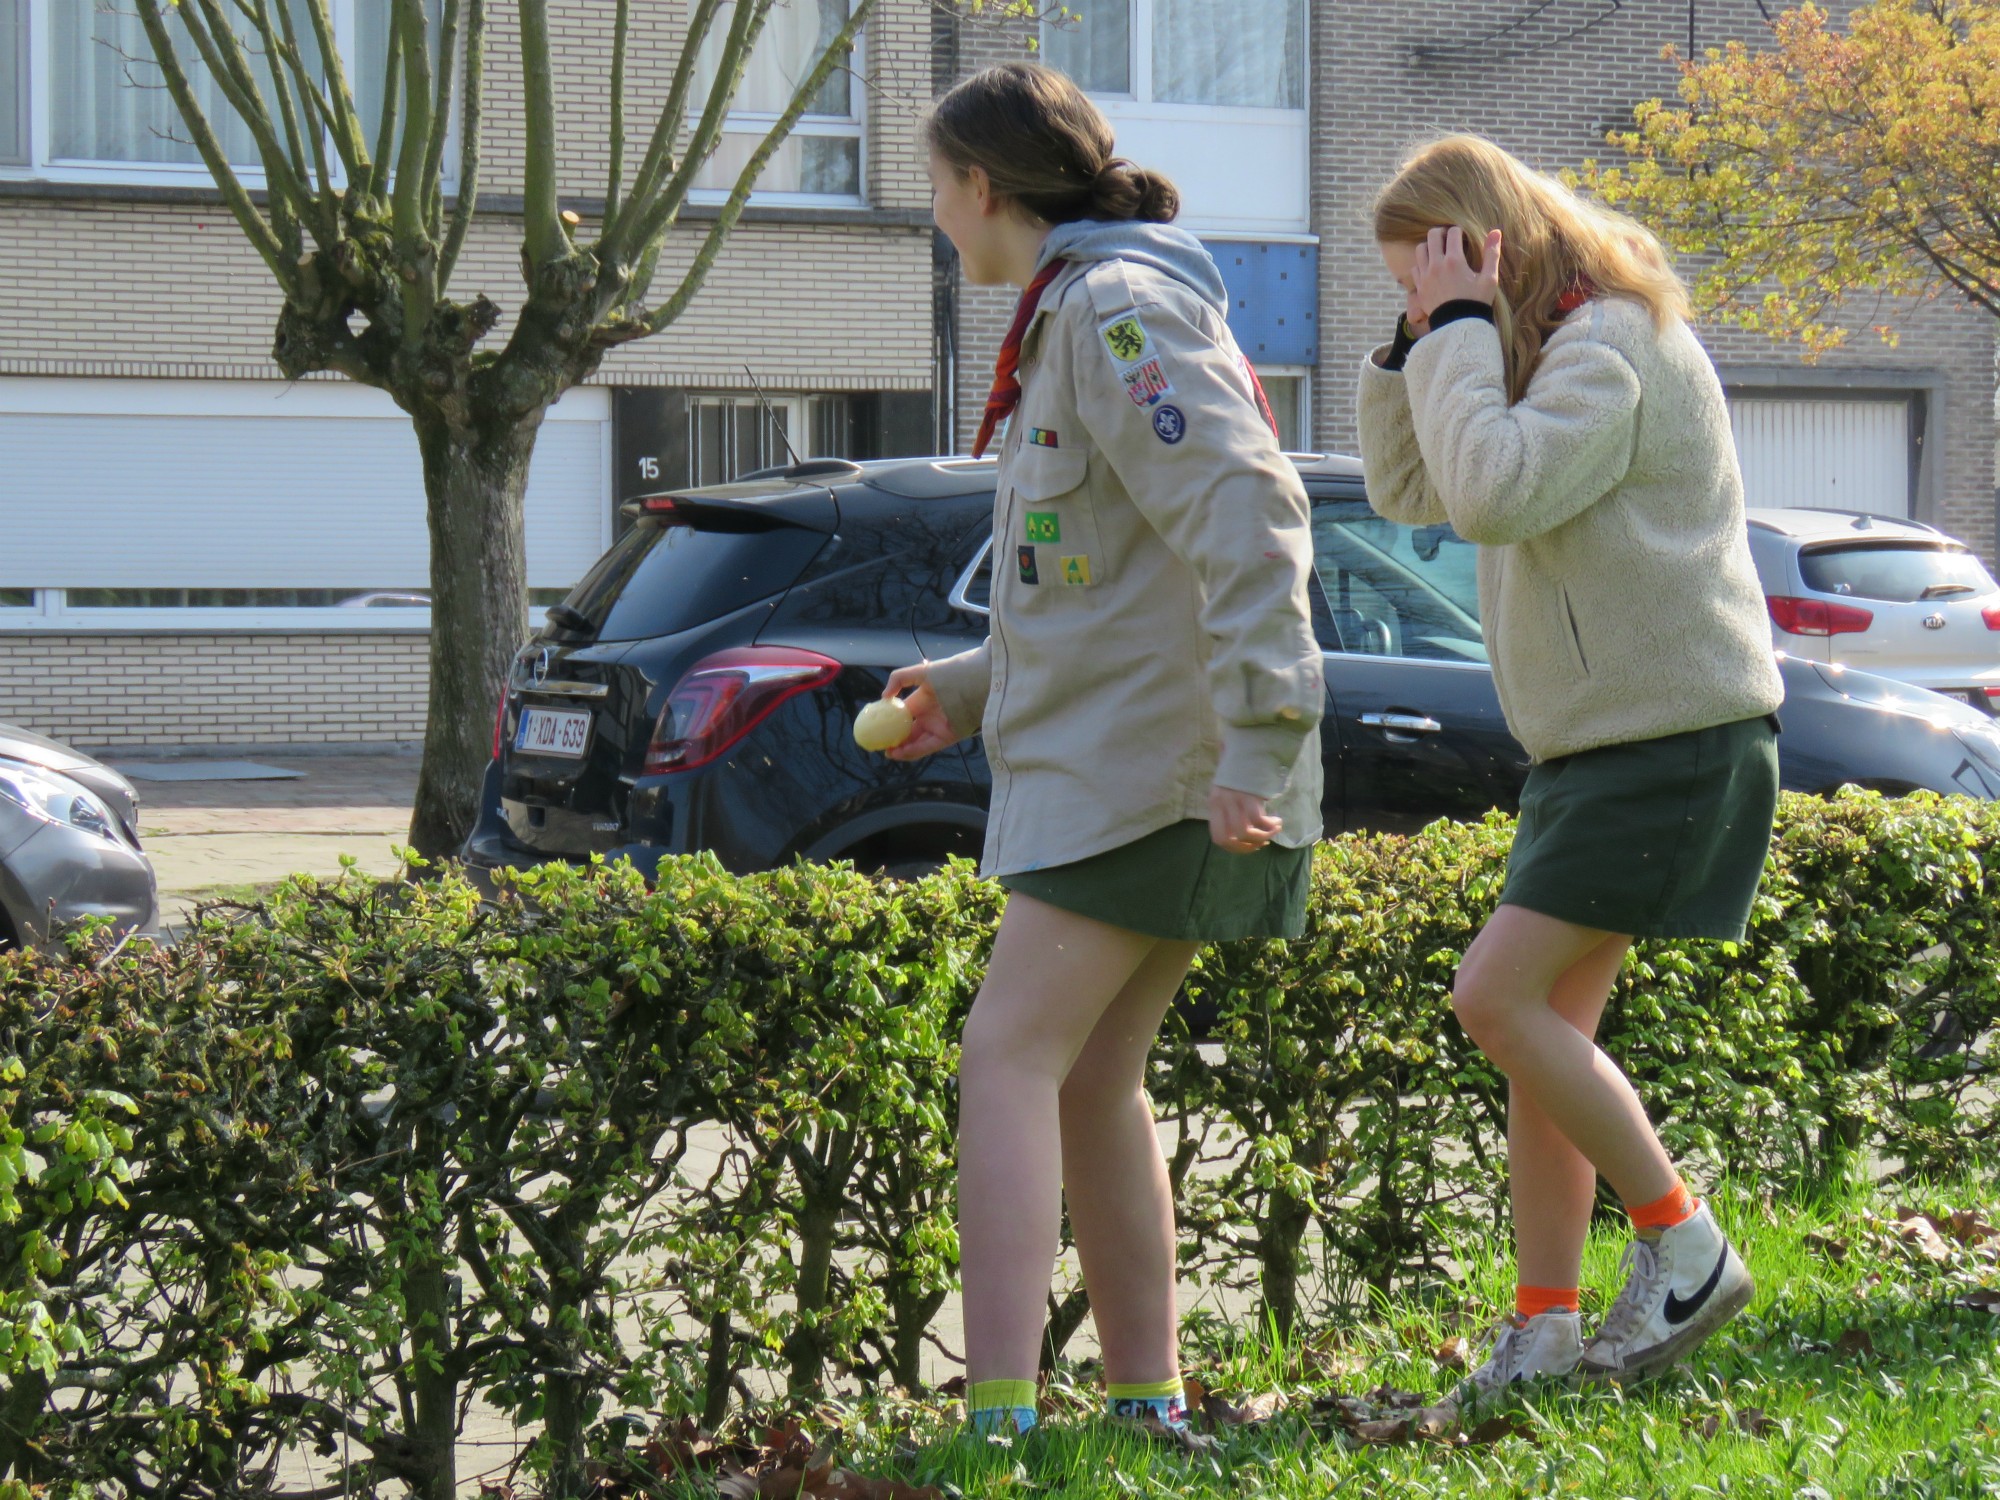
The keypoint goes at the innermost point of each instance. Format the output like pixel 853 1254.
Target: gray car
pixel 69 842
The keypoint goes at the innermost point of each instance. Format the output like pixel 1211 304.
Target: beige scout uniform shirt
pixel 1151 546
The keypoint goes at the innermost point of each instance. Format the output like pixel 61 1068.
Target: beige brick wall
pixel 168 290
pixel 1375 98
pixel 126 691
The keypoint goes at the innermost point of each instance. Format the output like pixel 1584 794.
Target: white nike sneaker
pixel 1682 1284
pixel 1546 1346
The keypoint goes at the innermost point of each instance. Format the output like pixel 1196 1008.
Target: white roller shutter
pixel 1846 454
pixel 253 484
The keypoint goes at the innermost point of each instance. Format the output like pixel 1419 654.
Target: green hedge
pixel 336 1164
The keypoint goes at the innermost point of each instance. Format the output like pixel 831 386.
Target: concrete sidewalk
pixel 209 839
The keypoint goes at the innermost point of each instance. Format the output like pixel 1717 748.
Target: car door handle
pixel 1403 723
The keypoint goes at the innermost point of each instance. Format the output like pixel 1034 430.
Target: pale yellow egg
pixel 883 724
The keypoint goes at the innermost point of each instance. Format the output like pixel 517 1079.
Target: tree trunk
pixel 475 483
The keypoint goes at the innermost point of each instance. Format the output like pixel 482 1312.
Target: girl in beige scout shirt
pixel 1546 396
pixel 1149 696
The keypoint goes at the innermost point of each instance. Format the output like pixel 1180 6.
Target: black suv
pixel 698 689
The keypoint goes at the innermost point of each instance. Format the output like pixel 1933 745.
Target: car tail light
pixel 663 507
pixel 725 696
pixel 500 721
pixel 1991 615
pixel 1817 616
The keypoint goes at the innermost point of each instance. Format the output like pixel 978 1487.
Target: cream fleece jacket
pixel 1615 582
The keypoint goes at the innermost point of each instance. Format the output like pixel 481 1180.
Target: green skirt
pixel 1177 884
pixel 1662 838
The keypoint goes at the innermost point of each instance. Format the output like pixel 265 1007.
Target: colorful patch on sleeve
pixel 1043 437
pixel 1044 526
pixel 1076 570
pixel 1169 424
pixel 1126 337
pixel 1025 557
pixel 1147 384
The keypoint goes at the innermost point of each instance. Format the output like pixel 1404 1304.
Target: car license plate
pixel 553 731
pixel 1965 695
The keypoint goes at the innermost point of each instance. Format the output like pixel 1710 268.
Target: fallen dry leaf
pixel 1968 1228
pixel 1752 1422
pixel 1705 1426
pixel 1920 1232
pixel 1225 1413
pixel 953 1388
pixel 1452 1353
pixel 1498 1429
pixel 1984 1299
pixel 1385 1431
pixel 1856 1343
pixel 1831 1246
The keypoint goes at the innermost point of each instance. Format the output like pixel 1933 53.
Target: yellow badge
pixel 1076 570
pixel 1126 338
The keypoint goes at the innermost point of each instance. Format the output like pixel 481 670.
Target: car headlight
pixel 54 798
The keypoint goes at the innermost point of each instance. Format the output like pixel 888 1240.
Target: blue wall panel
pixel 1273 299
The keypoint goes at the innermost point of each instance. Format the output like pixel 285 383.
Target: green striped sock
pixel 1000 1405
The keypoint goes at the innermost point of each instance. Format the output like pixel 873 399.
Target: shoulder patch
pixel 1169 425
pixel 1126 339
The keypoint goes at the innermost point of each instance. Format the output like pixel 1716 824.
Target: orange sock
pixel 1533 1301
pixel 1677 1207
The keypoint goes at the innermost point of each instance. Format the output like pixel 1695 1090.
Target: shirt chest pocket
pixel 1055 535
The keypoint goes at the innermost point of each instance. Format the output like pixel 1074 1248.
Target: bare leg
pixel 1120 1203
pixel 1052 976
pixel 1553 1183
pixel 1503 1000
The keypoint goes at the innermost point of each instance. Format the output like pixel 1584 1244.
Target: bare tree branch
pixel 320 111
pixel 254 228
pixel 615 174
pixel 834 57
pixel 447 53
pixel 385 131
pixel 615 241
pixel 546 239
pixel 468 146
pixel 258 12
pixel 216 40
pixel 407 198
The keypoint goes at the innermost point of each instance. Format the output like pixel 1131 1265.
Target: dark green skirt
pixel 1660 838
pixel 1177 884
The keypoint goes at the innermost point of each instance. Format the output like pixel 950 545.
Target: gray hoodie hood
pixel 1160 246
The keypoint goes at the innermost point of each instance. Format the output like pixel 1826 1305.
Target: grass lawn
pixel 1865 1367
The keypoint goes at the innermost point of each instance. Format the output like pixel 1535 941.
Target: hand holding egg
pixel 883 724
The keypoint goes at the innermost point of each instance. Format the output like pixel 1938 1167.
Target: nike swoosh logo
pixel 1679 1311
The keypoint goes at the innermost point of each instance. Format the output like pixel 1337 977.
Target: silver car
pixel 1897 598
pixel 69 842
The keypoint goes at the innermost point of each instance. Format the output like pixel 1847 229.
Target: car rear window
pixel 663 578
pixel 1896 573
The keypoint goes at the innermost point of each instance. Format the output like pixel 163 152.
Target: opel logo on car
pixel 541 669
pixel 1934 622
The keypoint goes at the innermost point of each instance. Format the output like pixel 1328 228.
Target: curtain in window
pixel 1092 44
pixel 108 100
pixel 1248 53
pixel 12 138
pixel 795 35
pixel 371 65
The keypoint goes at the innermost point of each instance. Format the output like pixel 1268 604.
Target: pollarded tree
pixel 362 239
pixel 1827 164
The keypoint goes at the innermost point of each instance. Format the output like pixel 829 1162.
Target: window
pixel 1397 590
pixel 13 80
pixel 1896 573
pixel 821 158
pixel 81 98
pixel 1242 54
pixel 1289 391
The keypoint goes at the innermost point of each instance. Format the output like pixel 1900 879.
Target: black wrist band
pixel 1399 349
pixel 1463 308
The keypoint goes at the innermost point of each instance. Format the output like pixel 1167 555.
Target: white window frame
pixel 757 124
pixel 1139 99
pixel 1304 415
pixel 37 120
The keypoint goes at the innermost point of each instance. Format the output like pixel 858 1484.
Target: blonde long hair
pixel 1552 240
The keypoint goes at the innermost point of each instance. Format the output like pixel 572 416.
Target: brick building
pixel 196 552
pixel 1906 429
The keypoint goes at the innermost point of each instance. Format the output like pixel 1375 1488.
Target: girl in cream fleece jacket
pixel 1546 397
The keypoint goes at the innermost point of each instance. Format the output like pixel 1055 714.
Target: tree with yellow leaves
pixel 1829 164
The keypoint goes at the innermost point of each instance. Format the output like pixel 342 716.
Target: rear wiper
pixel 1941 590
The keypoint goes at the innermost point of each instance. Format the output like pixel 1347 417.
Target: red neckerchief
pixel 1006 392
pixel 1580 291
pixel 1257 390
